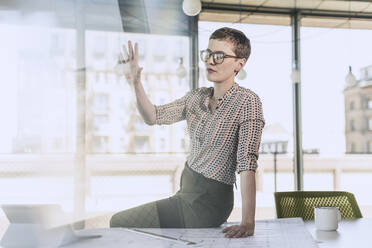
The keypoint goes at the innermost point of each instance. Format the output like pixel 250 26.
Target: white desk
pixel 279 233
pixel 350 234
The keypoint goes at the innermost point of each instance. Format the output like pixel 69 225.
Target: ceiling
pixel 315 13
pixel 167 17
pixel 338 5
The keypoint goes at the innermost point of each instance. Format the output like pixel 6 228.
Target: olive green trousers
pixel 200 202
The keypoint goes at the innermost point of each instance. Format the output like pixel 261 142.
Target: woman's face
pixel 225 71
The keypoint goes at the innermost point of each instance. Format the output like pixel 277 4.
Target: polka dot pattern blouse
pixel 224 141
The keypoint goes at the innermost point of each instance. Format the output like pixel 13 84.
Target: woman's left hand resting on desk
pixel 239 231
pixel 248 192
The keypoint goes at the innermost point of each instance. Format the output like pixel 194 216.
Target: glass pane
pixel 335 113
pixel 123 130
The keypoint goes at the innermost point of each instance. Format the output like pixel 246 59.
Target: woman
pixel 225 123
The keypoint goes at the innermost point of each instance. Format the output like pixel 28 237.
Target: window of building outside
pixel 353 148
pixel 369 146
pixel 100 144
pixel 369 104
pixel 162 143
pixel 101 102
pixel 351 106
pixel 352 125
pixel 142 52
pixel 100 47
pixel 99 120
pixel 142 143
pixel 160 51
pixel 370 124
pixel 369 73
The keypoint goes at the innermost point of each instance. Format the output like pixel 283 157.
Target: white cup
pixel 327 218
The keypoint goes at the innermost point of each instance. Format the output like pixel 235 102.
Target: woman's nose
pixel 210 60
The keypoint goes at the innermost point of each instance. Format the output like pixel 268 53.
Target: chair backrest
pixel 302 203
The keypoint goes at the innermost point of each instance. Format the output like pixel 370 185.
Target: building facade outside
pixel 46 120
pixel 114 124
pixel 358 114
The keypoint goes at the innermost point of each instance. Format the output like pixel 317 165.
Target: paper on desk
pixel 278 233
pixel 122 237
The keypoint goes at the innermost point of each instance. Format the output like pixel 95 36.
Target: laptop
pixel 40 225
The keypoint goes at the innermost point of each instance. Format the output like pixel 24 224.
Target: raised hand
pixel 129 63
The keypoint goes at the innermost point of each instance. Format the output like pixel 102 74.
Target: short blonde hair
pixel 241 42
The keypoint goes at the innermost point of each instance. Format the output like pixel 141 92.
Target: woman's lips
pixel 210 70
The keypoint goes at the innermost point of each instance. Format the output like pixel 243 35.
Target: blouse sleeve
pixel 172 112
pixel 251 124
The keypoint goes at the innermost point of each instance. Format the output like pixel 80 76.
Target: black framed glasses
pixel 217 56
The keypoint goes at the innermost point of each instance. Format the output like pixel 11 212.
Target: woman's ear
pixel 242 63
pixel 240 66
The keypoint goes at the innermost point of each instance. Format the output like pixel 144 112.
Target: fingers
pixel 231 233
pixel 136 51
pixel 129 54
pixel 121 58
pixel 130 48
pixel 236 232
pixel 125 52
pixel 241 234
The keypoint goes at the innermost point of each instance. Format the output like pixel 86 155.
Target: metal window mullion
pixel 297 124
pixel 194 52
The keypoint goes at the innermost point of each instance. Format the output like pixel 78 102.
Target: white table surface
pixel 350 234
pixel 276 233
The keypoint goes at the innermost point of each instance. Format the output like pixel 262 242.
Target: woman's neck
pixel 220 88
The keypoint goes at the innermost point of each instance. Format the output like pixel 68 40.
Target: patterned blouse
pixel 224 141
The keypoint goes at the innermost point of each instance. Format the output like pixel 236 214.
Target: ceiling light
pixel 191 7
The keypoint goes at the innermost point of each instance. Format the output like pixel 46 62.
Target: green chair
pixel 302 203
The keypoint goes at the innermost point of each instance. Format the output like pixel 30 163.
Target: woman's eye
pixel 218 56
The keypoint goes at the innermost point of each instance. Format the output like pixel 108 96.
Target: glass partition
pixel 71 132
pixel 335 110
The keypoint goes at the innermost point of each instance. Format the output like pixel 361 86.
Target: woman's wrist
pixel 136 84
pixel 247 222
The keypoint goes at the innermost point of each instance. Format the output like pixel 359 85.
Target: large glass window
pixel 51 56
pixel 329 125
